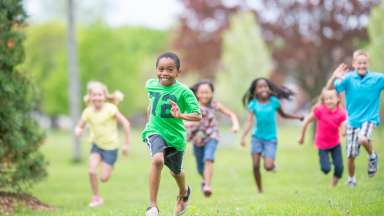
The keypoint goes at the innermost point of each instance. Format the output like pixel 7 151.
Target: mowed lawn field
pixel 297 188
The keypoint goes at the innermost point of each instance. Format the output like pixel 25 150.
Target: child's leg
pixel 324 161
pixel 351 167
pixel 109 158
pixel 364 137
pixel 106 171
pixel 337 159
pixel 209 158
pixel 94 161
pixel 269 154
pixel 198 151
pixel 154 177
pixel 256 171
pixel 180 181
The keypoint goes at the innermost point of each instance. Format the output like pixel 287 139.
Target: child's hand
pixel 301 118
pixel 340 71
pixel 78 131
pixel 301 141
pixel 242 142
pixel 235 128
pixel 175 111
pixel 125 149
pixel 343 133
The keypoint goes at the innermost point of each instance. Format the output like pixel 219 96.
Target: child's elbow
pixel 198 117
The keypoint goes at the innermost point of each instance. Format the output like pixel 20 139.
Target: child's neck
pixel 263 100
pixel 98 108
pixel 332 108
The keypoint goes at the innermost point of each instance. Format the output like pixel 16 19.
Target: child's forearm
pixel 190 116
pixel 247 128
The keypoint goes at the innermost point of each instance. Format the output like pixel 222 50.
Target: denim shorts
pixel 107 156
pixel 266 147
pixel 205 153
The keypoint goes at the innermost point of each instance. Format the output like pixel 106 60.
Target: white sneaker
pixel 96 201
pixel 152 211
pixel 351 183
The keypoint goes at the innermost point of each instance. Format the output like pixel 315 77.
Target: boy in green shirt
pixel 171 102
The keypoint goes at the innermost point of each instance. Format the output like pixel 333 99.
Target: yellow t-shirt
pixel 103 125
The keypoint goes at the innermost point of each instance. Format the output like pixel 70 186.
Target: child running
pixel 205 135
pixel 329 117
pixel 263 101
pixel 102 115
pixel 171 102
pixel 362 90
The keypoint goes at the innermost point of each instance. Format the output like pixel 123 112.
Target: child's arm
pixel 343 129
pixel 127 130
pixel 232 115
pixel 79 128
pixel 307 122
pixel 337 74
pixel 247 127
pixel 289 116
pixel 175 112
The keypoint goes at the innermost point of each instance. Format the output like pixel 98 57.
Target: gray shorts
pixel 353 136
pixel 173 159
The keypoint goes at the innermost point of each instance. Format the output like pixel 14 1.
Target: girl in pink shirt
pixel 329 116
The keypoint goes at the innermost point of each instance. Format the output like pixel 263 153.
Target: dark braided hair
pixel 280 92
pixel 196 86
pixel 172 56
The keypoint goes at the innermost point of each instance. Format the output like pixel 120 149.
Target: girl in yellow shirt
pixel 102 116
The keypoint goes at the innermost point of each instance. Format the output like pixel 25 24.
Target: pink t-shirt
pixel 328 124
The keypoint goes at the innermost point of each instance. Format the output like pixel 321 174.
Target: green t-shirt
pixel 161 121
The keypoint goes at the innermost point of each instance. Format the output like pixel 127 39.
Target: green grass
pixel 298 187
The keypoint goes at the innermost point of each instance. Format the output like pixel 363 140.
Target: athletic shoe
pixel 351 183
pixel 96 201
pixel 207 190
pixel 182 202
pixel 372 166
pixel 152 211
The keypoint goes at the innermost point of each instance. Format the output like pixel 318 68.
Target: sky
pixel 159 14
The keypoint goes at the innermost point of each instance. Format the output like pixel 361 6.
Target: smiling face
pixel 166 71
pixel 97 96
pixel 262 90
pixel 360 63
pixel 205 94
pixel 330 98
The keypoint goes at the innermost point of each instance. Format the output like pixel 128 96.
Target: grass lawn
pixel 297 188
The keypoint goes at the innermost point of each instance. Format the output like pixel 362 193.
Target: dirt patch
pixel 9 202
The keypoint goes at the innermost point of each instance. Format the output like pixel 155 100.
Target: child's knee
pixel 104 178
pixel 92 171
pixel 158 161
pixel 177 173
pixel 256 166
pixel 325 170
pixel 363 141
pixel 269 167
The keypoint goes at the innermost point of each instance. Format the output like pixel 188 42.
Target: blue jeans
pixel 265 147
pixel 337 160
pixel 205 153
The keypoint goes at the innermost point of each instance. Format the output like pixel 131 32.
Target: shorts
pixel 205 153
pixel 353 135
pixel 266 147
pixel 173 159
pixel 107 156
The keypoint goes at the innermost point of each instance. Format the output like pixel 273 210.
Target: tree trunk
pixel 73 77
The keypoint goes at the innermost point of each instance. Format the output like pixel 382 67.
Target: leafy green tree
pixel 20 137
pixel 245 57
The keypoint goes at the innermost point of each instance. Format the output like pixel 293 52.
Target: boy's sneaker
pixel 96 201
pixel 351 183
pixel 372 166
pixel 207 190
pixel 152 211
pixel 182 202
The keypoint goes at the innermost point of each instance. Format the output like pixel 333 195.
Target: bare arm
pixel 289 116
pixel 343 129
pixel 247 127
pixel 80 128
pixel 232 115
pixel 337 74
pixel 127 130
pixel 310 118
pixel 175 112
